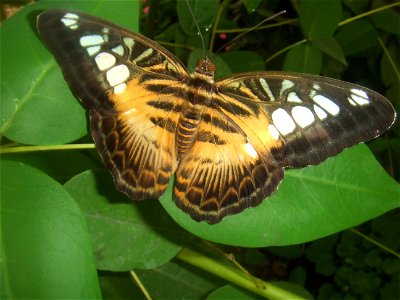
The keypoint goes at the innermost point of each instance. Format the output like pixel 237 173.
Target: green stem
pixel 375 242
pixel 140 285
pixel 262 288
pixel 367 13
pixel 389 57
pixel 22 149
pixel 285 49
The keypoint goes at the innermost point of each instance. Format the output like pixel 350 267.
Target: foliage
pixel 61 218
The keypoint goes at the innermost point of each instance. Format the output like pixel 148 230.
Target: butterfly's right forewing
pixel 310 117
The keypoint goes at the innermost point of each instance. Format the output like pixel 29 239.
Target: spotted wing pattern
pixel 313 117
pixel 109 69
pixel 227 142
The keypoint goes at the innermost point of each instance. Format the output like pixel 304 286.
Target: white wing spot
pixel 273 131
pixel 292 97
pixel 360 93
pixel 120 88
pixel 351 101
pixel 250 150
pixel 359 100
pixel 316 87
pixel 70 20
pixel 129 43
pixel 117 75
pixel 359 97
pixel 320 112
pixel 286 84
pixel 106 30
pixel 105 60
pixel 144 54
pixel 266 88
pixel 119 50
pixel 326 103
pixel 93 50
pixel 91 40
pixel 71 16
pixel 283 121
pixel 303 116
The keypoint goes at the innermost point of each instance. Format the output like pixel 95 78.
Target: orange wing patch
pixel 137 140
pixel 225 171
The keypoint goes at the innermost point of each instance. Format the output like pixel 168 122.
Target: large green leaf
pixel 319 18
pixel 243 61
pixel 303 59
pixel 329 46
pixel 37 106
pixel 125 235
pixel 310 203
pixel 356 37
pixel 45 248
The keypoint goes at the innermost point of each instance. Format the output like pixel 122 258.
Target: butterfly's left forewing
pixel 129 84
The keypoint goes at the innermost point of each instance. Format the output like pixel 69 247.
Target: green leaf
pixel 243 61
pixel 356 36
pixel 388 20
pixel 178 280
pixel 230 292
pixel 204 13
pixel 60 165
pixel 251 5
pixel 342 192
pixel 46 251
pixel 319 18
pixel 37 106
pixel 329 46
pixel 125 234
pixel 303 59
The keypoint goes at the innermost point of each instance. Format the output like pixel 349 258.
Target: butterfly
pixel 227 141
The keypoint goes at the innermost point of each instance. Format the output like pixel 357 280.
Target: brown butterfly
pixel 226 141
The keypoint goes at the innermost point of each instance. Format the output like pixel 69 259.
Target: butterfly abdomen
pixel 187 129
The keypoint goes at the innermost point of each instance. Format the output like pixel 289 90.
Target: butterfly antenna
pixel 251 29
pixel 198 28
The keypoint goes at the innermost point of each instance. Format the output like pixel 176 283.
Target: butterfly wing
pixel 226 170
pixel 117 75
pixel 259 124
pixel 313 117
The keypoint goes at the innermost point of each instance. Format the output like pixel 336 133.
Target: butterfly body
pixel 227 142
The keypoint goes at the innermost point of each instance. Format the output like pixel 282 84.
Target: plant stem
pixel 21 149
pixel 262 288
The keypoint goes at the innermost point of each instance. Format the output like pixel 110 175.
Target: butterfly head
pixel 205 67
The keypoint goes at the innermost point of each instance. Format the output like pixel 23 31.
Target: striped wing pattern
pixel 227 142
pixel 109 70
